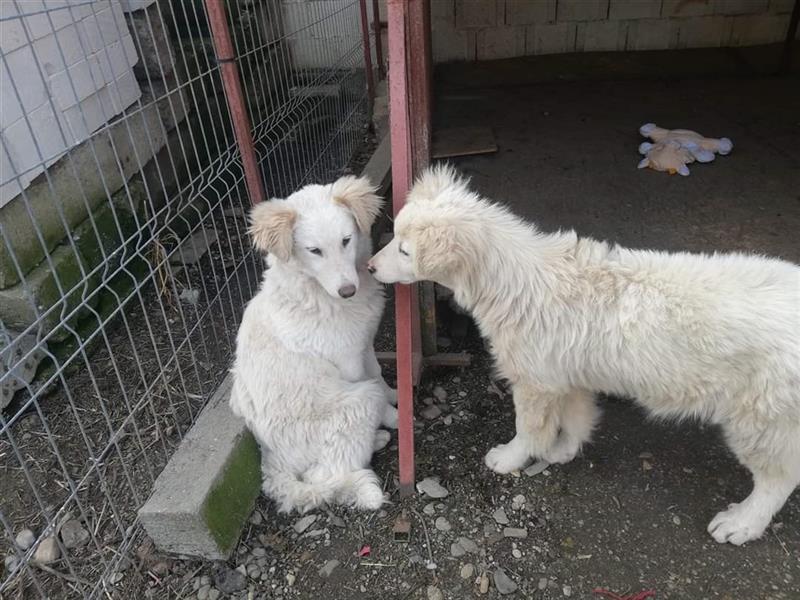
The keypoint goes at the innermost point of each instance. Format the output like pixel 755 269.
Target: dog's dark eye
pixel 316 251
pixel 345 241
pixel 403 252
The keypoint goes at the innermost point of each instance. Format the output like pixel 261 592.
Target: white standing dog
pixel 688 335
pixel 306 379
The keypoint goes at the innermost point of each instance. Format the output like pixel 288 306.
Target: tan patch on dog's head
pixel 272 228
pixel 439 251
pixel 357 195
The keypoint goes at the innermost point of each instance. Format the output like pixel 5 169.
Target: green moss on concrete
pixel 231 500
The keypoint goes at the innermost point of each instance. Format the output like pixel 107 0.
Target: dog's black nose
pixel 347 291
pixel 371 269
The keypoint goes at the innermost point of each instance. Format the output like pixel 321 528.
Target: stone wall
pixel 467 30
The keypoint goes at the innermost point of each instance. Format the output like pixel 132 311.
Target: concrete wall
pixel 466 30
pixel 66 69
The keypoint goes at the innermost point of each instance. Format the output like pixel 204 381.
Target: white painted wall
pixel 65 70
pixel 324 33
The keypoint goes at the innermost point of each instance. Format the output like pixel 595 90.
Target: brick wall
pixel 66 69
pixel 492 29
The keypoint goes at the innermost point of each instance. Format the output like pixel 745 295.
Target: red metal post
pixel 406 307
pixel 377 31
pixel 226 58
pixel 367 53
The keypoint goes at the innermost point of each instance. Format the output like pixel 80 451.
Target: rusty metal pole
pixel 226 58
pixel 367 54
pixel 406 307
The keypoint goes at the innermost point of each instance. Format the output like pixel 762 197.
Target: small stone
pixel 213 594
pixel 457 550
pixel 302 524
pixel 202 593
pixel 467 571
pixel 316 533
pixel 259 552
pixel 431 488
pixel 190 296
pixel 431 412
pixel 567 590
pixel 439 393
pixel 542 585
pixel 646 455
pixel 290 579
pixel 434 593
pixel 442 524
pixel 468 545
pixel 536 468
pixel 429 508
pixel 25 539
pixel 117 576
pixel 500 516
pixel 328 568
pixel 47 551
pixel 503 583
pixel 254 571
pixel 448 420
pixel 256 518
pixel 10 563
pixel 517 502
pixel 338 521
pixel 240 569
pixel 646 466
pixel 516 553
pixel 676 519
pixel 427 401
pixel 73 534
pixel 462 394
pixel 515 532
pixel 483 583
pixel 229 581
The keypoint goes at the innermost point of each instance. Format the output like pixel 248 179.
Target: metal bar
pixel 377 30
pixel 367 54
pixel 405 296
pixel 226 57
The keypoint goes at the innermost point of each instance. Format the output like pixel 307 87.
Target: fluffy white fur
pixel 306 379
pixel 712 337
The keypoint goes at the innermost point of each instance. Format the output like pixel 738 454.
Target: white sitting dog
pixel 689 336
pixel 306 379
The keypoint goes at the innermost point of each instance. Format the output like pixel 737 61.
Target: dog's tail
pixel 359 488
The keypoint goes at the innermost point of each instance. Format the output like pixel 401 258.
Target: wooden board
pixel 463 141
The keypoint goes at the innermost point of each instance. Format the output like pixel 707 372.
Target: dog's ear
pixel 272 228
pixel 439 252
pixel 357 195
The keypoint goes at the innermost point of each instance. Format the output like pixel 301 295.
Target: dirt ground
pixel 630 514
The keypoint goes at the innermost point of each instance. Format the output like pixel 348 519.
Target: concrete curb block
pixel 204 495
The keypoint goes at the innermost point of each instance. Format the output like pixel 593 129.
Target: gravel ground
pixel 629 515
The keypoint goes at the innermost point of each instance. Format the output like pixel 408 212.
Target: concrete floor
pixel 567 159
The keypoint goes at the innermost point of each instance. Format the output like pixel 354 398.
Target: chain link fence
pixel 125 264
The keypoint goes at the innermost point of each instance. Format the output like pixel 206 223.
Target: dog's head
pixel 434 238
pixel 321 230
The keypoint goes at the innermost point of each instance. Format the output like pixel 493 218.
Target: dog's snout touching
pixel 371 268
pixel 347 291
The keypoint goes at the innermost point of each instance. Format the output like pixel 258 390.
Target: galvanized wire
pixel 105 378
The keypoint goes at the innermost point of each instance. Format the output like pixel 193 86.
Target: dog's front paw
pixel 506 458
pixel 389 417
pixel 563 451
pixel 370 497
pixel 382 438
pixel 391 396
pixel 737 525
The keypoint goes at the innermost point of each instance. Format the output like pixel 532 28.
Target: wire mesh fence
pixel 125 264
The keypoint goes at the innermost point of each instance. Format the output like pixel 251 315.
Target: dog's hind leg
pixel 773 458
pixel 537 413
pixel 579 416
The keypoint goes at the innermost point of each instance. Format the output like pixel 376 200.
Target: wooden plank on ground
pixel 463 141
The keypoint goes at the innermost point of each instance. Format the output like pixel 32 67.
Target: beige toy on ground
pixel 673 149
